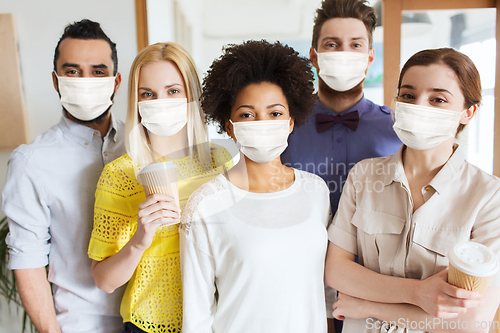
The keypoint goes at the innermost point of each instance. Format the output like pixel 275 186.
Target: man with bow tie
pixel 345 127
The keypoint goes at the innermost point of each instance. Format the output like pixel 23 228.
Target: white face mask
pixel 342 71
pixel 262 140
pixel 86 98
pixel 423 127
pixel 164 117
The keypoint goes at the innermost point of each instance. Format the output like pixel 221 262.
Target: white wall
pixel 40 25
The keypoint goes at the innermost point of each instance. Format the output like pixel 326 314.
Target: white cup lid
pixel 158 166
pixel 474 259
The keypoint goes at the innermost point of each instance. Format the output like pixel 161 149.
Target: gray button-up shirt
pixel 49 201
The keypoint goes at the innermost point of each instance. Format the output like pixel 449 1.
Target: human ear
pixel 118 81
pixel 469 114
pixel 371 57
pixel 229 128
pixel 292 124
pixel 54 82
pixel 313 57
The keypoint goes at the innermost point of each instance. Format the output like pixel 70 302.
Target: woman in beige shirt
pixel 401 214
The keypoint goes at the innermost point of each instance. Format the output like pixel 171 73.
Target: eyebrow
pixel 167 86
pixel 270 106
pixel 68 65
pixel 338 38
pixel 408 86
pixel 442 90
pixel 273 105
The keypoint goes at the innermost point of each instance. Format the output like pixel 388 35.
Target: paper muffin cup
pixel 472 265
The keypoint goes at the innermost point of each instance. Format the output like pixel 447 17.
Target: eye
pixel 276 113
pixel 406 96
pixel 357 45
pixel 173 91
pixel 147 94
pixel 438 100
pixel 99 72
pixel 331 45
pixel 71 72
pixel 246 115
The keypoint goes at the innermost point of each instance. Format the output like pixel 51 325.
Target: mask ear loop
pixel 232 136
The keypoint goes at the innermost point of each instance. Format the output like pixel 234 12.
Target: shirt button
pixel 427 188
pixel 105 154
pixel 86 143
pixel 339 140
pixel 96 133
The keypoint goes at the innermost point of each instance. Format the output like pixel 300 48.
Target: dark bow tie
pixel 325 121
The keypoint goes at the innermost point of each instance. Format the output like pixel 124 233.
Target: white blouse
pixel 254 262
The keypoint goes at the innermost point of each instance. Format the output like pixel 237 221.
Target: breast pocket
pixel 379 235
pixel 430 248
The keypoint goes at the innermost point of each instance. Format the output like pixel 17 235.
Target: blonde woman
pixel 135 239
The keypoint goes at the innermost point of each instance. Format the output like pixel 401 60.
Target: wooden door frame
pixel 141 18
pixel 392 16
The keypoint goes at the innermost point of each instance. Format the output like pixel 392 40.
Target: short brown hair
pixel 357 9
pixel 465 70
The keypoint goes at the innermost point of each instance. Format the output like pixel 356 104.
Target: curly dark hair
pixel 256 62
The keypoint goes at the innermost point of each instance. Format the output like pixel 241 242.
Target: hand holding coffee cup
pixel 472 265
pixel 160 178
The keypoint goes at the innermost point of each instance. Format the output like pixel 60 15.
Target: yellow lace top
pixel 153 297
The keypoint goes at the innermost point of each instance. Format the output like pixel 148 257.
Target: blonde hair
pixel 197 132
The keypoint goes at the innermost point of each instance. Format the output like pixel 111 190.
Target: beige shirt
pixel 376 222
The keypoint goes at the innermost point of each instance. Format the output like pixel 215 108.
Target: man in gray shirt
pixel 49 193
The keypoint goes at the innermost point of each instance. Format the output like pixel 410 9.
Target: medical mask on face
pixel 164 117
pixel 423 127
pixel 86 98
pixel 342 71
pixel 262 140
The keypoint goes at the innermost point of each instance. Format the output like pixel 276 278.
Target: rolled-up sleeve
pixel 342 232
pixel 486 229
pixel 25 204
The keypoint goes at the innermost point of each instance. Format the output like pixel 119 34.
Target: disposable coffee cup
pixel 160 178
pixel 472 265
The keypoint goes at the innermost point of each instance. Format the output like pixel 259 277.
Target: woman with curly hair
pixel 253 240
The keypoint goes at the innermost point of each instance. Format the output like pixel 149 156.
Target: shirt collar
pixel 449 170
pixel 113 130
pixel 439 182
pixel 359 106
pixel 395 171
pixel 82 133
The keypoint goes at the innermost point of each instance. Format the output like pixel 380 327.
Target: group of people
pixel 275 243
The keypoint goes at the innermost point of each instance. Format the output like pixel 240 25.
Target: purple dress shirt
pixel 332 153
